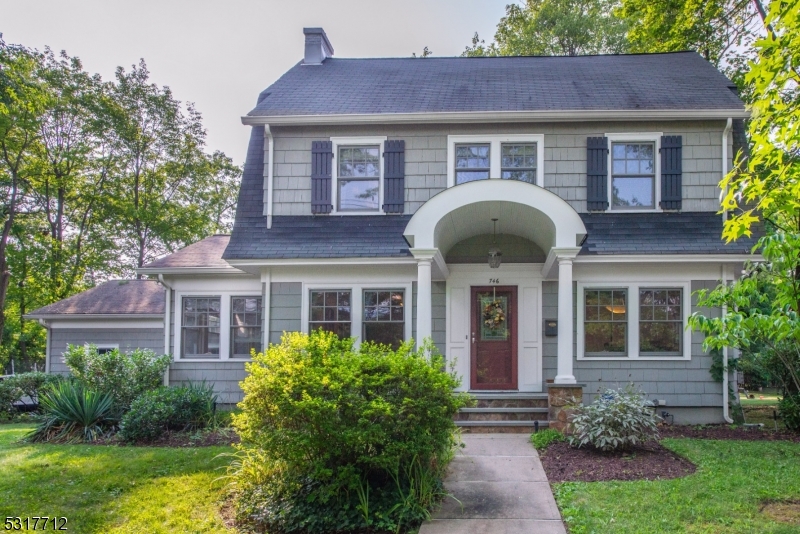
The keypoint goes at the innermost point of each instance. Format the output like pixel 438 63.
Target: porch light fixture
pixel 495 256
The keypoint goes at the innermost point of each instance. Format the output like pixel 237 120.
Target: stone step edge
pixel 509 396
pixel 501 423
pixel 504 410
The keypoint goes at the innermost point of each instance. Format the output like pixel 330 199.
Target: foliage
pixel 114 490
pixel 554 28
pixel 789 409
pixel 124 376
pixel 616 420
pixel 188 407
pixel 336 438
pixel 9 394
pixel 726 495
pixel 425 53
pixel 73 413
pixel 542 439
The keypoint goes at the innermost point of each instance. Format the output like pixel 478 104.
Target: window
pixel 358 178
pixel 519 162
pixel 660 321
pixel 200 328
pixel 330 310
pixel 489 156
pixel 633 175
pixel 605 322
pixel 384 317
pixel 245 326
pixel 472 163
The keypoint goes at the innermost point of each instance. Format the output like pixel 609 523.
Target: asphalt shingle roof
pixel 670 81
pixel 205 253
pixel 115 297
pixel 660 233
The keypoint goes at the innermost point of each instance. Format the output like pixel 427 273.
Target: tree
pixel 722 31
pixel 168 192
pixel 763 306
pixel 555 28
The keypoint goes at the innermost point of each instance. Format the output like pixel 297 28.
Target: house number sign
pixel 494 280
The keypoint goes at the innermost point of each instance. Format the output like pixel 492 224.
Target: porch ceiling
pixel 521 209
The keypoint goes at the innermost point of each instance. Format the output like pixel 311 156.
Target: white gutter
pixel 47 346
pixel 725 133
pixel 725 414
pixel 270 172
pixel 498 116
pixel 167 310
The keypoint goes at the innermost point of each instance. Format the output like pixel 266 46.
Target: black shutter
pixel 597 173
pixel 321 160
pixel 394 176
pixel 671 169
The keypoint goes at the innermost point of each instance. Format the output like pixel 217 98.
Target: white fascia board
pixel 499 116
pixel 188 270
pixel 324 261
pixel 96 316
pixel 668 258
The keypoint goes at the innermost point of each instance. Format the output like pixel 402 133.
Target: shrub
pixel 73 413
pixel 617 419
pixel 31 384
pixel 124 376
pixel 9 394
pixel 789 410
pixel 186 407
pixel 340 439
pixel 542 439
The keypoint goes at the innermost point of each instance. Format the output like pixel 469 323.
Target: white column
pixel 424 301
pixel 564 374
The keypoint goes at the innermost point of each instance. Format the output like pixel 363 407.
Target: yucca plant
pixel 73 414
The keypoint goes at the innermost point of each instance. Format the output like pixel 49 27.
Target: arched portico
pixel 522 209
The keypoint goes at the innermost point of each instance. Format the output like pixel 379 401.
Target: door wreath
pixel 493 315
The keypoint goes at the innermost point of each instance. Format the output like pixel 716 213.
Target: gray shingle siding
pixel 439 315
pixel 223 376
pixel 681 383
pixel 126 338
pixel 286 302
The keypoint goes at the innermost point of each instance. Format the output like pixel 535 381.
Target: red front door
pixel 493 338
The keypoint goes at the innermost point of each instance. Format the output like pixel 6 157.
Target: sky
pixel 221 54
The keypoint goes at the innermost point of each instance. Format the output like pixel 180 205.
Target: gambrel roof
pixel 636 82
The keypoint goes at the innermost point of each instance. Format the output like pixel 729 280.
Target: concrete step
pixel 497 427
pixel 501 414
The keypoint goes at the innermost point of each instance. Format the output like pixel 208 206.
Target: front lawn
pixel 733 480
pixel 111 489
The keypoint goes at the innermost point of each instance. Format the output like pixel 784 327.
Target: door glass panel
pixel 494 317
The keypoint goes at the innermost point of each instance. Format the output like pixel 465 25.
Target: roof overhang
pixel 467 117
pixel 187 270
pixel 93 316
pixel 667 258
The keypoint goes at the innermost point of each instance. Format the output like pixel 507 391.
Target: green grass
pixel 111 489
pixel 723 496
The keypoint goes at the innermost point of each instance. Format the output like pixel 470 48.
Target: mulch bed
pixel 651 461
pixel 727 432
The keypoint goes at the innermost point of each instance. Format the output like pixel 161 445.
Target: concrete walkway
pixel 502 488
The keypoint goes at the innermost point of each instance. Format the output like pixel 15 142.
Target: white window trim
pixel 230 326
pixel 224 324
pixel 633 319
pixel 357 304
pixel 348 141
pixel 111 346
pixel 494 153
pixel 642 137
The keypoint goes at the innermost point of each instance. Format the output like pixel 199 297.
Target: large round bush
pixel 341 439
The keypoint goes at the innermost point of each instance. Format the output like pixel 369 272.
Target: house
pixel 544 220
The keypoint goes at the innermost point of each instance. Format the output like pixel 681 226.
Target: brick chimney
pixel 318 47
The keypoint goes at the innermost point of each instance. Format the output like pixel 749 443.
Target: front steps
pixel 504 412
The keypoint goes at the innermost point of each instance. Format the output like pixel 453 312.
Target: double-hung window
pixel 633 320
pixel 359 178
pixel 633 175
pixel 200 327
pixel 483 157
pixel 246 320
pixel 331 311
pixel 384 317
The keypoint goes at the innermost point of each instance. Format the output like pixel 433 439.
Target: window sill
pixel 635 358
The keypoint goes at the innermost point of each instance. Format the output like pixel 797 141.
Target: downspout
pixel 725 133
pixel 725 409
pixel 270 172
pixel 167 313
pixel 47 345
